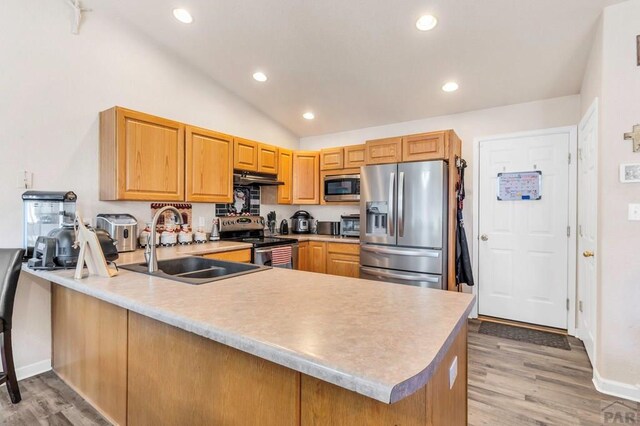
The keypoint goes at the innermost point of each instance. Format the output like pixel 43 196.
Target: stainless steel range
pixel 250 229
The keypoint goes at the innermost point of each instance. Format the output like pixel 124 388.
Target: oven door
pixel 342 188
pixel 264 256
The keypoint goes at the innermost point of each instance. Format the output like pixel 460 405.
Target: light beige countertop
pixel 326 238
pixel 182 250
pixel 380 340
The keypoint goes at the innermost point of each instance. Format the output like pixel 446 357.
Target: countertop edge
pixel 276 354
pixel 411 385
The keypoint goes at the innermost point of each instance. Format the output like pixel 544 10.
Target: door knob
pixel 484 237
pixel 588 253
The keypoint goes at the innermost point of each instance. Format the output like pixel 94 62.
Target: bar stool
pixel 10 263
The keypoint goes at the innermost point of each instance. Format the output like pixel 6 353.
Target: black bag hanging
pixel 464 272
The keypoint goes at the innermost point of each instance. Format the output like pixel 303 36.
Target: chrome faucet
pixel 150 252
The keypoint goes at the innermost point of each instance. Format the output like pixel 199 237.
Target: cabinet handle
pixel 588 253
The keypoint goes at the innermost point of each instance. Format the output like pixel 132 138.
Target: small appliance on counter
pixel 350 225
pixel 45 211
pixel 56 251
pixel 328 228
pixel 215 230
pixel 301 222
pixel 122 227
pixel 284 227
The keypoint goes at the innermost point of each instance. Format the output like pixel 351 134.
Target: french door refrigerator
pixel 404 235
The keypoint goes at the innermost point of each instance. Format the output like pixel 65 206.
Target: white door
pixel 587 226
pixel 523 247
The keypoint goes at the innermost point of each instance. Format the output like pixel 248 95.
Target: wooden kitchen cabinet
pixel 245 154
pixel 267 158
pixel 141 157
pixel 317 259
pixel 331 159
pixel 306 177
pixel 208 166
pixel 423 147
pixel 354 156
pixel 243 255
pixel 382 151
pixel 303 256
pixel 285 174
pixel 343 259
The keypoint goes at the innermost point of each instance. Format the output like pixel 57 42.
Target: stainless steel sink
pixel 196 270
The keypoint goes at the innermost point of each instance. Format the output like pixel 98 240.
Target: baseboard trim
pixel 615 388
pixel 33 369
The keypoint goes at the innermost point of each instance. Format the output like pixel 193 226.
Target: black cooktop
pixel 267 241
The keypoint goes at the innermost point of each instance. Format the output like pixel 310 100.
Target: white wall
pixel 469 126
pixel 614 76
pixel 52 85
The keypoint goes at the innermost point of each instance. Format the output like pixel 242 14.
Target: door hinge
pixel 579 153
pixel 568 231
pixel 567 304
pixel 580 306
pixel 569 158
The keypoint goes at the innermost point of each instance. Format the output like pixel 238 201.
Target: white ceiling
pixel 363 63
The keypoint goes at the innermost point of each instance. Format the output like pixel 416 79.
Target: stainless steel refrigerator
pixel 404 234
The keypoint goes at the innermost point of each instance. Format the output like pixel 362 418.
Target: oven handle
pixel 270 249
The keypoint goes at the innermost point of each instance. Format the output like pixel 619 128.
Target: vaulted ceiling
pixel 363 63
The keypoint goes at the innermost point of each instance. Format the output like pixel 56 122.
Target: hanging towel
pixel 281 257
pixel 464 272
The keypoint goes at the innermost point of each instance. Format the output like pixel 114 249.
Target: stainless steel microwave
pixel 342 188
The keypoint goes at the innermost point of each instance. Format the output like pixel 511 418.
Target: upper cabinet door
pixel 141 157
pixel 245 155
pixel 425 146
pixel 306 177
pixel 354 156
pixel 209 166
pixel 384 151
pixel 331 159
pixel 285 174
pixel 267 158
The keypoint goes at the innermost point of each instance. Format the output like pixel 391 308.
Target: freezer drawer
pixel 403 258
pixel 401 277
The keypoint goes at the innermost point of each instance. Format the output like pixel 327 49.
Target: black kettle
pixel 284 227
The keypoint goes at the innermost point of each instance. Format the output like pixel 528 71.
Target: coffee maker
pixel 45 211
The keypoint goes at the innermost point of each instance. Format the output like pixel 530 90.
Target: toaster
pixel 122 227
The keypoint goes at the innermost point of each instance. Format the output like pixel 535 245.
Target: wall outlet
pixel 453 372
pixel 634 211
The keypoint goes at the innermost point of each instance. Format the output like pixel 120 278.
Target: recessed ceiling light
pixel 426 23
pixel 259 76
pixel 183 16
pixel 309 115
pixel 451 86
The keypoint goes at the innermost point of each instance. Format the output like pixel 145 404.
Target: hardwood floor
pixel 510 383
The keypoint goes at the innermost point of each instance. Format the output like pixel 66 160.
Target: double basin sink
pixel 196 270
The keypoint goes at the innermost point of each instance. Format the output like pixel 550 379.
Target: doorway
pixel 525 227
pixel 587 227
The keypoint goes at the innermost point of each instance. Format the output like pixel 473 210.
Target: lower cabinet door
pixel 343 260
pixel 317 261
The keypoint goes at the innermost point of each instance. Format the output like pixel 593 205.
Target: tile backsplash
pixel 246 200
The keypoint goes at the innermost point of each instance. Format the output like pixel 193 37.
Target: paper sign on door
pixel 519 186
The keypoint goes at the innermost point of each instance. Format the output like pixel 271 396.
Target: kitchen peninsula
pixel 273 347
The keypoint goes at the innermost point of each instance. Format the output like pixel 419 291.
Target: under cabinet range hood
pixel 241 177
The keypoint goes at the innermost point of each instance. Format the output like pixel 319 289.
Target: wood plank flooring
pixel 510 383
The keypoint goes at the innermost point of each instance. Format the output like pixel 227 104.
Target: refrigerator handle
pixel 390 218
pixel 384 274
pixel 401 205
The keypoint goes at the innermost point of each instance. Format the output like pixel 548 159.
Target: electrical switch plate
pixel 634 211
pixel 24 179
pixel 453 372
